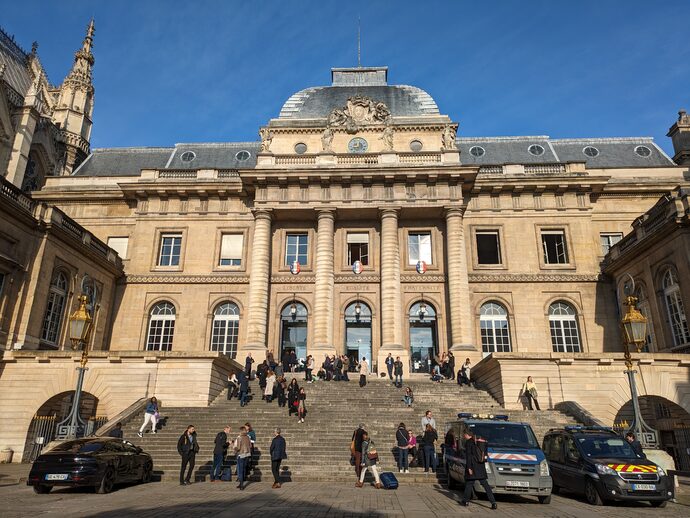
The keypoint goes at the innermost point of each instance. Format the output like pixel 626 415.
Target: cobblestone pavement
pixel 299 500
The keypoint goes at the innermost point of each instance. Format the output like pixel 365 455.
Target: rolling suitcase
pixel 389 481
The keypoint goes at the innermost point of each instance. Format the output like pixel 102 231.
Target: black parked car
pixel 598 463
pixel 99 462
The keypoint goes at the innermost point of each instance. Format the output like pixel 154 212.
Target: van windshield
pixel 505 435
pixel 602 447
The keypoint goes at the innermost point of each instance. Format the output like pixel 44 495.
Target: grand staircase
pixel 318 450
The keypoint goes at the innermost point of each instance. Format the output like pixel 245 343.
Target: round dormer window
pixel 643 151
pixel 188 156
pixel 477 151
pixel 300 148
pixel 536 150
pixel 590 151
pixel 242 155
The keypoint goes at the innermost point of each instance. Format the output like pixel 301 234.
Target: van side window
pixel 553 448
pixel 571 452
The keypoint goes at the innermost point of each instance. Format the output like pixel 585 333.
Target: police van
pixel 516 464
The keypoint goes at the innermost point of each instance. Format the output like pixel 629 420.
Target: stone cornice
pixel 535 277
pixel 186 279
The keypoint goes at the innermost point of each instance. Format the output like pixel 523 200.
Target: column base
pixel 258 353
pixel 463 347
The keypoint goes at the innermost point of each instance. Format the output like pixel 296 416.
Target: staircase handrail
pixel 123 417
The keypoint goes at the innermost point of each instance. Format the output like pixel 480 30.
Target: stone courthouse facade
pixel 360 223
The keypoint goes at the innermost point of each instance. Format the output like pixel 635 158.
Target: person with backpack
pixel 369 459
pixel 187 447
pixel 398 371
pixel 475 469
pixel 402 437
pixel 220 451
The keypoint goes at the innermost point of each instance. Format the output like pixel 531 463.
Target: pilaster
pixel 325 280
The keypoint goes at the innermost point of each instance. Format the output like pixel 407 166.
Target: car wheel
pixel 658 503
pixel 591 493
pixel 107 482
pixel 148 474
pixel 40 489
pixel 545 499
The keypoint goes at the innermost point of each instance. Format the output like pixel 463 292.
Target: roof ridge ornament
pixel 359 111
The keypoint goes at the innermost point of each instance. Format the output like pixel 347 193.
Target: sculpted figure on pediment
pixel 448 138
pixel 266 139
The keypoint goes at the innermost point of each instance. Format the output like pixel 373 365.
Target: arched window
pixel 423 336
pixel 52 320
pixel 226 325
pixel 565 337
pixel 493 323
pixel 643 306
pixel 675 309
pixel 294 330
pixel 161 327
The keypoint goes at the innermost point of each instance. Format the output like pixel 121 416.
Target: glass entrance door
pixel 423 346
pixel 293 335
pixel 358 332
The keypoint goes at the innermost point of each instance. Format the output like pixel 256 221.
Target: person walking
pixel 346 367
pixel 150 416
pixel 233 386
pixel 270 382
pixel 338 368
pixel 293 361
pixel 429 441
pixel 428 419
pixel 475 469
pixel 301 405
pixel 248 365
pixel 529 390
pixel 243 452
pixel 402 437
pixel 220 451
pixel 369 459
pixel 356 448
pixel 244 388
pixel 282 387
pixel 398 371
pixel 278 453
pixel 389 365
pixel 408 397
pixel 363 372
pixel 187 447
pixel 293 392
pixel 464 376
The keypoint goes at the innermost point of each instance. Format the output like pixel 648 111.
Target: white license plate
pixel 644 487
pixel 56 476
pixel 517 483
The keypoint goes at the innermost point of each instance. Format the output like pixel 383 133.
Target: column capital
pixel 454 210
pixel 325 212
pixel 262 213
pixel 388 212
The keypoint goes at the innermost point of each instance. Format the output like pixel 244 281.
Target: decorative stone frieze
pixel 535 277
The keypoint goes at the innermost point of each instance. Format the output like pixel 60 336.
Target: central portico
pixel 358 238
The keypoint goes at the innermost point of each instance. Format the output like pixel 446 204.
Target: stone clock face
pixel 358 145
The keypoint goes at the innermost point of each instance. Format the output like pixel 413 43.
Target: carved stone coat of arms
pixel 359 111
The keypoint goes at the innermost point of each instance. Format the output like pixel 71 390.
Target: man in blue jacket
pixel 278 453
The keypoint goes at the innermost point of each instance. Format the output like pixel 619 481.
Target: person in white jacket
pixel 464 376
pixel 268 391
pixel 363 372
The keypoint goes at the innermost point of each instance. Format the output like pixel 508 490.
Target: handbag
pixel 372 454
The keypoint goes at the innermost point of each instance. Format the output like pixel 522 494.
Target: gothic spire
pixel 83 58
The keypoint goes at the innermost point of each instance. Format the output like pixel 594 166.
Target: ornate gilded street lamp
pixel 79 327
pixel 634 328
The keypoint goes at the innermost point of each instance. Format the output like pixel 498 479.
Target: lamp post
pixel 634 327
pixel 79 326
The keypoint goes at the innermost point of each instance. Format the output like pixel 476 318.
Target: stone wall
pixel 30 378
pixel 596 382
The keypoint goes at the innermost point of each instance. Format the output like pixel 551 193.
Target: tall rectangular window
pixel 358 247
pixel 488 247
pixel 297 248
pixel 231 249
pixel 419 247
pixel 554 245
pixel 119 244
pixel 608 239
pixel 170 247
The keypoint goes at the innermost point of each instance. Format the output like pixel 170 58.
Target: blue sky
pixel 214 71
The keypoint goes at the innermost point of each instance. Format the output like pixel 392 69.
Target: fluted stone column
pixel 458 284
pixel 257 314
pixel 392 318
pixel 325 278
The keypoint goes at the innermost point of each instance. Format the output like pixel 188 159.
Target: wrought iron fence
pixel 43 430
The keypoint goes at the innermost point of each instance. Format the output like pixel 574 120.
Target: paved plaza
pixel 297 500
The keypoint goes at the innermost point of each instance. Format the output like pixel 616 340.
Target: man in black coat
pixel 635 444
pixel 187 447
pixel 220 451
pixel 248 364
pixel 244 387
pixel 278 453
pixel 475 469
